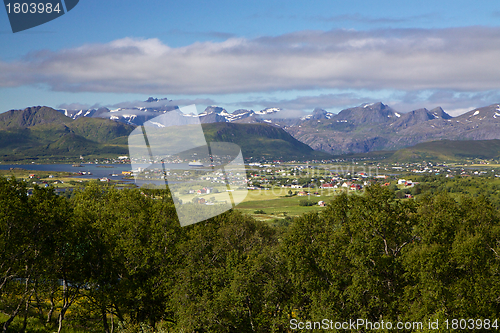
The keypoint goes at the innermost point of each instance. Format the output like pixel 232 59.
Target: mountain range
pixel 365 128
pixel 374 127
pixel 42 133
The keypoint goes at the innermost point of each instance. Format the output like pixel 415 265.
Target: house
pixel 32 176
pixel 346 184
pixel 321 203
pixel 327 185
pixel 205 190
pixel 302 194
pixel 355 187
pixel 401 181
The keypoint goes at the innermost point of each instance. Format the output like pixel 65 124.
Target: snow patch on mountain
pixel 157 124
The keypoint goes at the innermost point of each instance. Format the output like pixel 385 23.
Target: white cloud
pixel 331 102
pixel 458 59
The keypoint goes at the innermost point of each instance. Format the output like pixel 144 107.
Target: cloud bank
pixel 455 59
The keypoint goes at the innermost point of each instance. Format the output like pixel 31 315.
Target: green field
pixel 276 204
pixel 59 179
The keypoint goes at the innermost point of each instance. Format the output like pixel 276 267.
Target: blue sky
pixel 297 55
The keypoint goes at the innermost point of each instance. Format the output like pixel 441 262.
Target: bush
pixel 305 202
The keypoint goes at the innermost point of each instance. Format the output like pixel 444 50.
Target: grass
pixel 276 204
pixel 36 324
pixel 485 165
pixel 68 178
pixel 22 173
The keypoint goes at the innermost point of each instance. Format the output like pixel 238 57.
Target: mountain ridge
pixel 363 128
pixel 43 132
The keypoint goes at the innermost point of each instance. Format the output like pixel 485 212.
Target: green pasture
pixel 275 203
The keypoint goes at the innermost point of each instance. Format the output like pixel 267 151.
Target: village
pixel 290 188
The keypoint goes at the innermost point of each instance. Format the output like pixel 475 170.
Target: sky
pixel 296 55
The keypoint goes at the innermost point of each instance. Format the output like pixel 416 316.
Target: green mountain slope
pixel 100 130
pixel 32 116
pixel 42 133
pixel 261 141
pixel 449 150
pixel 436 151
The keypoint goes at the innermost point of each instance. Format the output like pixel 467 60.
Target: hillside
pixel 434 151
pixel 100 130
pixel 32 116
pixel 42 133
pixel 449 150
pixel 375 127
pixel 261 141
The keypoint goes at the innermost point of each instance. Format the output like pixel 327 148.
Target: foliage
pixel 108 259
pixel 307 203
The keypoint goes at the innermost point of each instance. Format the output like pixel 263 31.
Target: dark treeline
pixel 109 260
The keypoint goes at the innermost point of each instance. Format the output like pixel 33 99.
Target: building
pixel 205 190
pixel 355 187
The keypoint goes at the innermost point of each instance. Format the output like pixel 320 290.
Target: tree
pixel 135 237
pixel 232 277
pixel 17 256
pixel 453 267
pixel 347 260
pixel 64 248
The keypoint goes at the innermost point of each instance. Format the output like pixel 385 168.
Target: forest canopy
pixel 106 260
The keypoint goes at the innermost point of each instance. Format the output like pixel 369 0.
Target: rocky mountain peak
pixel 319 114
pixel 367 113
